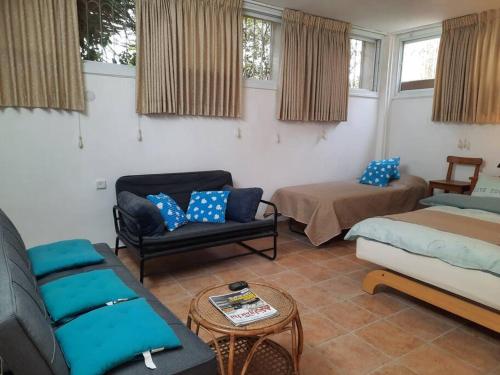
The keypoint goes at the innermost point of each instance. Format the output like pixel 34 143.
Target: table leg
pixel 230 361
pixel 297 343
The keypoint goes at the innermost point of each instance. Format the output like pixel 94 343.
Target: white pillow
pixel 487 186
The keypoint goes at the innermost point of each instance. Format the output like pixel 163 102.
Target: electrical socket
pixel 101 184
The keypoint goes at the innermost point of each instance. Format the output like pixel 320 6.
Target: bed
pixel 330 207
pixel 447 255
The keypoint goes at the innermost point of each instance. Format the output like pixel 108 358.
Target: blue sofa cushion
pixel 62 255
pixel 170 211
pixel 208 206
pixel 104 338
pixel 72 295
pixel 242 204
pixel 147 214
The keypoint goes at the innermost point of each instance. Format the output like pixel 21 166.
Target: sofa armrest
pixel 275 213
pixel 118 214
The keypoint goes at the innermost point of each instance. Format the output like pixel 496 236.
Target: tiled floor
pixel 346 330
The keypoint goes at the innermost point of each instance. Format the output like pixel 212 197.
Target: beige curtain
pixel 189 57
pixel 314 68
pixel 486 84
pixel 455 70
pixel 40 63
pixel 467 86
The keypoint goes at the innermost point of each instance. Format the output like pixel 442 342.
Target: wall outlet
pixel 101 184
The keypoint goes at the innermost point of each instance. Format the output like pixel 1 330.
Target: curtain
pixel 487 69
pixel 40 63
pixel 467 86
pixel 189 57
pixel 314 68
pixel 455 70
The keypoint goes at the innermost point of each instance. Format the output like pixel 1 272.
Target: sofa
pixel 193 236
pixel 27 341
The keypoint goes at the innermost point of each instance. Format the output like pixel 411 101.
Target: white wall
pixel 423 145
pixel 47 183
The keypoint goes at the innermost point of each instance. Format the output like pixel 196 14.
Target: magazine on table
pixel 243 307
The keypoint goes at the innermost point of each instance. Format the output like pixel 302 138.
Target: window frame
pixel 412 36
pixel 272 14
pixel 368 36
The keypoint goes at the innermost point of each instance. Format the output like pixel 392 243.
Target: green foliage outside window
pixel 107 30
pixel 257 42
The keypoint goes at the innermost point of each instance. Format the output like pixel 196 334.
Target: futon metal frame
pixel 150 251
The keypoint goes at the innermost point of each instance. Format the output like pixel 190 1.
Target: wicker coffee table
pixel 248 349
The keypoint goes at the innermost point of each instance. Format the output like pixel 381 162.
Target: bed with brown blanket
pixel 447 255
pixel 330 207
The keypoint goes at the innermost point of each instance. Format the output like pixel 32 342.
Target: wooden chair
pixel 454 186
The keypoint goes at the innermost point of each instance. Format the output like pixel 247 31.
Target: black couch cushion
pixel 146 213
pixel 178 186
pixel 205 232
pixel 242 204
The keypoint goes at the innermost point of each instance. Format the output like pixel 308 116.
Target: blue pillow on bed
pixel 381 172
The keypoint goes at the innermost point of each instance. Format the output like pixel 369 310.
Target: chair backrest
pixel 176 185
pixel 27 341
pixel 459 160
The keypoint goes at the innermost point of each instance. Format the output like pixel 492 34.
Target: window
pixel 107 30
pixel 363 64
pixel 258 37
pixel 418 64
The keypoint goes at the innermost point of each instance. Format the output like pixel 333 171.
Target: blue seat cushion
pixel 207 206
pixel 104 338
pixel 62 255
pixel 242 204
pixel 71 295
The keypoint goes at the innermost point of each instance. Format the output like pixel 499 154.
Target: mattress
pixel 478 286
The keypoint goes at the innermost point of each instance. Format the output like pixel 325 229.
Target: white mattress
pixel 475 285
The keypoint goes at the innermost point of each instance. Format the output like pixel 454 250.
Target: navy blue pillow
pixel 147 214
pixel 242 204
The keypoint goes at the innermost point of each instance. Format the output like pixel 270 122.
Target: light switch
pixel 101 184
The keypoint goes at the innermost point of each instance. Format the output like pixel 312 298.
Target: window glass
pixel 363 64
pixel 257 48
pixel 419 61
pixel 107 30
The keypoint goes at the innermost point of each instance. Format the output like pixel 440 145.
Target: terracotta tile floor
pixel 346 330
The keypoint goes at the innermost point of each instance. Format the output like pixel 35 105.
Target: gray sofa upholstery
pixel 27 340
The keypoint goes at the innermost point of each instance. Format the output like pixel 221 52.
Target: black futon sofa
pixel 193 236
pixel 27 341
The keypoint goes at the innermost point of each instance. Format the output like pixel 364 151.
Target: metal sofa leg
pixel 141 272
pixel 117 246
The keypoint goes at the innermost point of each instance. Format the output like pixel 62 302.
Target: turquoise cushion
pixel 487 186
pixel 207 206
pixel 104 338
pixel 170 211
pixel 71 295
pixel 62 255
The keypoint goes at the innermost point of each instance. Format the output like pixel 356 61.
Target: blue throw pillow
pixel 375 175
pixel 390 165
pixel 242 204
pixel 170 211
pixel 105 338
pixel 207 206
pixel 62 255
pixel 72 295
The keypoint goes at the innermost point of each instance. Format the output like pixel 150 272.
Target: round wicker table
pixel 248 349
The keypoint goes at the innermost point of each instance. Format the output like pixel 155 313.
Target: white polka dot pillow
pixel 170 211
pixel 381 172
pixel 207 206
